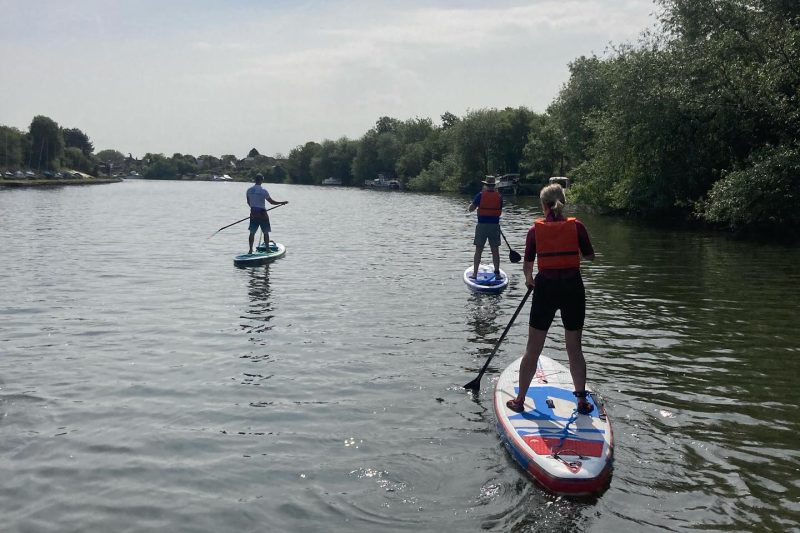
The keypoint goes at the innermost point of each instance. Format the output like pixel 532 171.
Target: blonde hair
pixel 553 197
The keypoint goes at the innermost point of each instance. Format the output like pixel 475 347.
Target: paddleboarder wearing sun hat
pixel 489 204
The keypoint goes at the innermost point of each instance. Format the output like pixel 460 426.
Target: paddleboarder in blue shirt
pixel 489 204
pixel 257 197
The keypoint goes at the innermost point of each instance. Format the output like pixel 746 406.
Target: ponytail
pixel 553 197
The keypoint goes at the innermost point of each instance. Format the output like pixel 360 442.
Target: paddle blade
pixel 474 385
pixel 514 257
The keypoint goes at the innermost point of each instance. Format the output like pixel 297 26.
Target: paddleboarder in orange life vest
pixel 558 243
pixel 257 196
pixel 489 204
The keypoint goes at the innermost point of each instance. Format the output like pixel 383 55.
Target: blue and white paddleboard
pixel 567 453
pixel 262 255
pixel 486 281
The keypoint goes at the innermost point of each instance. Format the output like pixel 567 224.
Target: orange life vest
pixel 557 244
pixel 490 204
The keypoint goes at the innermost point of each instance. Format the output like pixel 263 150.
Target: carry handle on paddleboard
pixel 475 384
pixel 245 218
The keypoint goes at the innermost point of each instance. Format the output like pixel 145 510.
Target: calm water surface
pixel 147 384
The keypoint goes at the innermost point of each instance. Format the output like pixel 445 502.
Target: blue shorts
pixel 262 223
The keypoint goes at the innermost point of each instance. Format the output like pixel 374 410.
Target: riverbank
pixel 44 182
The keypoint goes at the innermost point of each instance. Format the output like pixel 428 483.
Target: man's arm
pixel 273 202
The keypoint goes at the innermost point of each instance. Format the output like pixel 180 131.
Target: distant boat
pixel 224 177
pixel 507 183
pixel 382 183
pixel 331 181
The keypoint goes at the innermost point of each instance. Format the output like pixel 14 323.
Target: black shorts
pixel 566 295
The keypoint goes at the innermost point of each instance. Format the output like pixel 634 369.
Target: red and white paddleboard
pixel 567 453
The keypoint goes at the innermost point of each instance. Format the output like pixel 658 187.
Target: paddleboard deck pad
pixel 566 452
pixel 262 255
pixel 486 281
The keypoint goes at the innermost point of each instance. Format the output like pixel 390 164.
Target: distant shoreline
pixel 55 182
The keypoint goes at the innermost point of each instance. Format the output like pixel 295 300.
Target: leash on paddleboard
pixel 513 256
pixel 475 384
pixel 573 466
pixel 245 218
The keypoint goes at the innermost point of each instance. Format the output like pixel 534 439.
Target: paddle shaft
pixel 245 218
pixel 476 383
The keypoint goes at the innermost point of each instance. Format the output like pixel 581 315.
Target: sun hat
pixel 489 181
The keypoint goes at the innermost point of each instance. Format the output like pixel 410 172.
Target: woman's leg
pixel 577 364
pixel 527 368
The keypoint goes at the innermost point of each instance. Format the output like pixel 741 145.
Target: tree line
pixel 698 120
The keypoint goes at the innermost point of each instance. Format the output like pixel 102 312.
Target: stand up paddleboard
pixel 262 255
pixel 564 451
pixel 486 280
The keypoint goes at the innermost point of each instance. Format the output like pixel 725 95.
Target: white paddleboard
pixel 486 281
pixel 567 453
pixel 261 256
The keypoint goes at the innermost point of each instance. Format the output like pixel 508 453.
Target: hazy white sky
pixel 221 77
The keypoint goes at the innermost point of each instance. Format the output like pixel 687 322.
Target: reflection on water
pixel 259 313
pixel 322 392
pixel 482 318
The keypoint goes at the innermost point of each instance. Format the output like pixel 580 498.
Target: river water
pixel 148 384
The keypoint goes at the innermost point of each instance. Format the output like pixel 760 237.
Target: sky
pixel 221 77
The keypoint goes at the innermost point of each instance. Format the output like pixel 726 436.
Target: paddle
pixel 475 384
pixel 513 256
pixel 245 218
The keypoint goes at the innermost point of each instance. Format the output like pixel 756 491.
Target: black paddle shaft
pixel 475 384
pixel 245 218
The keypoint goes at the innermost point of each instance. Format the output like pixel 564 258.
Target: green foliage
pixel 160 167
pixel 73 137
pixel 761 196
pixel 253 153
pixel 13 146
pixel 299 162
pixel 653 128
pixel 449 120
pixel 74 159
pixel 184 164
pixel 116 158
pixel 47 143
pixel 333 159
pixel 438 176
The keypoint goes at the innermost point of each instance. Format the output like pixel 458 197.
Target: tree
pixel 476 146
pixel 116 158
pixel 160 167
pixel 47 144
pixel 299 162
pixel 73 137
pixel 449 120
pixel 13 145
pixel 253 153
pixel 74 158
